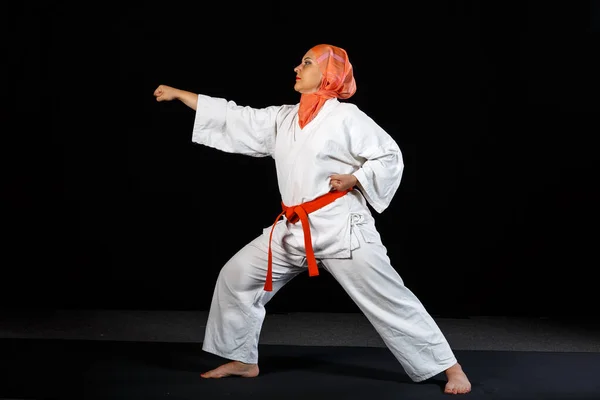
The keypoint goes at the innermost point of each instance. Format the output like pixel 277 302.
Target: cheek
pixel 316 79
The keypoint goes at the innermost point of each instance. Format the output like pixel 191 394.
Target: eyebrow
pixel 307 58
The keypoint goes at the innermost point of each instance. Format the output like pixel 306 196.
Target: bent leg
pixel 237 310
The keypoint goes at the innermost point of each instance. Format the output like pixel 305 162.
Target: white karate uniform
pixel 341 139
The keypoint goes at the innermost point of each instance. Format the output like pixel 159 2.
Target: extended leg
pixel 397 314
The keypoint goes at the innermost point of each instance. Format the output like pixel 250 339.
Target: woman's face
pixel 308 74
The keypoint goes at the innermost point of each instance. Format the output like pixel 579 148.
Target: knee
pixel 239 274
pixel 230 277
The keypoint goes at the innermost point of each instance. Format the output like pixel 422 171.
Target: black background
pixel 108 204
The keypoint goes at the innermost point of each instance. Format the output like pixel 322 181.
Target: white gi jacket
pixel 341 139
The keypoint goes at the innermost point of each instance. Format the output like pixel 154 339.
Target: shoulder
pixel 349 109
pixel 286 111
pixel 288 108
pixel 353 115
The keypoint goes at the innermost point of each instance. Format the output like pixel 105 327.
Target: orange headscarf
pixel 338 81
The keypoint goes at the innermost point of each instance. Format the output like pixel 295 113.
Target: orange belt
pixel 300 213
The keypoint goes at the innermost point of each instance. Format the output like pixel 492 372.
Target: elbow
pixel 399 160
pixel 399 170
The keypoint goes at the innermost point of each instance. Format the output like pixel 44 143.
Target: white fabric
pixel 237 310
pixel 340 140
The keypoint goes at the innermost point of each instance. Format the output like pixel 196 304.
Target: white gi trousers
pixel 238 310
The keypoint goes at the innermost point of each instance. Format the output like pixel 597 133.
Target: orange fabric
pixel 300 213
pixel 338 81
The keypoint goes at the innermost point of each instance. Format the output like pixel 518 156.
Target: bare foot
pixel 233 368
pixel 458 383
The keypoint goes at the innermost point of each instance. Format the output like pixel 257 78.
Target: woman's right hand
pixel 165 93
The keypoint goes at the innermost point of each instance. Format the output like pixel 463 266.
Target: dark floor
pixel 84 369
pixel 107 354
pixel 301 329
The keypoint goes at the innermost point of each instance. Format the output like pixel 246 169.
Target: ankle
pixel 245 364
pixel 454 369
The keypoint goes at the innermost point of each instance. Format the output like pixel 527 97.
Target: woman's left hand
pixel 342 182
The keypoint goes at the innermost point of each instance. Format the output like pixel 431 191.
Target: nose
pixel 297 69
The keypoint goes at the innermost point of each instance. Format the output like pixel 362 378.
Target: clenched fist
pixel 342 182
pixel 165 93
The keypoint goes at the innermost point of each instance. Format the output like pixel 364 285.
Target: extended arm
pixel 224 125
pixel 168 93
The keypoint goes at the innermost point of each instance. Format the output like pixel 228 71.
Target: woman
pixel 331 160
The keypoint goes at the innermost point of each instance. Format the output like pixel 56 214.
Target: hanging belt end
pixel 268 286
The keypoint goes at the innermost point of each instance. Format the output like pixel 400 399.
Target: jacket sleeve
pixel 381 171
pixel 225 126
